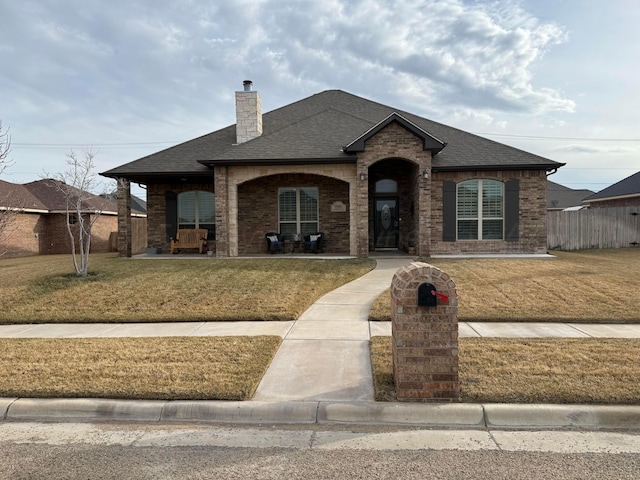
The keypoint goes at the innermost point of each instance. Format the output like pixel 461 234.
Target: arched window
pixel 197 209
pixel 480 210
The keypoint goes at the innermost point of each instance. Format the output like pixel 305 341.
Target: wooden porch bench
pixel 190 238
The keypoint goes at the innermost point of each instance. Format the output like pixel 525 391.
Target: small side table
pixel 296 245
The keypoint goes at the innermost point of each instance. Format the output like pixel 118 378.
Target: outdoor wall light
pixel 425 174
pixel 363 176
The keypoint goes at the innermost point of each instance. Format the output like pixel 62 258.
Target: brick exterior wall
pixel 533 214
pixel 22 235
pixel 46 234
pixel 258 210
pixel 424 339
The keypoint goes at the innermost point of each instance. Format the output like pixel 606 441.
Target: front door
pixel 386 223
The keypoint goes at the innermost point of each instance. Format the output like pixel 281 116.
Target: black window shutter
pixel 449 211
pixel 171 206
pixel 512 210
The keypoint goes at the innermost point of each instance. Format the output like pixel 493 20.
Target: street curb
pixel 241 412
pixel 449 415
pixel 562 416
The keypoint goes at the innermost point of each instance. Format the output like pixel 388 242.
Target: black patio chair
pixel 313 242
pixel 275 242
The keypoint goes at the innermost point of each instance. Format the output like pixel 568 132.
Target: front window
pixel 480 209
pixel 298 210
pixel 197 209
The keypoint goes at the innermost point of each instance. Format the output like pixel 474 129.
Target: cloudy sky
pixel 559 78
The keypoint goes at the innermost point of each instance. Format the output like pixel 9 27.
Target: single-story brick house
pixel 368 176
pixel 34 220
pixel 625 193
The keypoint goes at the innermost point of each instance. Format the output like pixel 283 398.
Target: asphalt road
pixel 188 451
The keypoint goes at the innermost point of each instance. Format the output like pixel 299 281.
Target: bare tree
pixel 7 213
pixel 83 209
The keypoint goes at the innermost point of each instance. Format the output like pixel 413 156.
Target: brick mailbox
pixel 424 306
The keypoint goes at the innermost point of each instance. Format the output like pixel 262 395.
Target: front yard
pixel 577 286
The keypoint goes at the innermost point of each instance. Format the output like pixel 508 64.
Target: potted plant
pixel 154 249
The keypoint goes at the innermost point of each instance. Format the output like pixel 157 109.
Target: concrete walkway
pixel 325 356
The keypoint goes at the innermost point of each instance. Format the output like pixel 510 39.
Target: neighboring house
pixel 369 176
pixel 38 223
pixel 560 197
pixel 625 193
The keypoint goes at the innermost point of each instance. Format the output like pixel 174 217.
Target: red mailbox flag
pixel 442 296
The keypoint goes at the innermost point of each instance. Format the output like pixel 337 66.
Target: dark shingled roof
pixel 44 196
pixel 628 187
pixel 315 130
pixel 561 197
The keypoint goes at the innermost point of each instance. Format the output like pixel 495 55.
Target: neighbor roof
pixel 561 197
pixel 43 196
pixel 316 130
pixel 628 187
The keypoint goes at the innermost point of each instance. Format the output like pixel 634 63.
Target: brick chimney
pixel 248 114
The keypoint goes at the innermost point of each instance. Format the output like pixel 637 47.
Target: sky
pixel 558 78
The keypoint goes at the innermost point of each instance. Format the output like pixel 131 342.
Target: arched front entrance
pixel 393 216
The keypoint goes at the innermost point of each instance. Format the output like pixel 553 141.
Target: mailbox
pixel 428 295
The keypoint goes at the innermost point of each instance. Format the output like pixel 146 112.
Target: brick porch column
pixel 362 206
pixel 425 338
pixel 124 218
pixel 220 180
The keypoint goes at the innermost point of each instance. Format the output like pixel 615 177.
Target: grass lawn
pixel 175 368
pixel 43 289
pixel 587 286
pixel 536 370
pixel 598 285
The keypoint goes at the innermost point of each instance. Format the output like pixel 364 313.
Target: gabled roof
pixel 560 197
pixel 429 142
pixel 629 187
pixel 315 130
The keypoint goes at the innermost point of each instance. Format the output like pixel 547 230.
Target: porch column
pixel 220 179
pixel 362 205
pixel 124 217
pixel 424 209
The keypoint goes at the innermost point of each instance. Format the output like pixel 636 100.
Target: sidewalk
pixel 322 373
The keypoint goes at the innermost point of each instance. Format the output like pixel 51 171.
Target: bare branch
pixel 5 148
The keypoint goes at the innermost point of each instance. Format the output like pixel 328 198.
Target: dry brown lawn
pixel 552 370
pixel 587 286
pixel 43 289
pixel 198 368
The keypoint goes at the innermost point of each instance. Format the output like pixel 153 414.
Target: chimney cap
pixel 248 84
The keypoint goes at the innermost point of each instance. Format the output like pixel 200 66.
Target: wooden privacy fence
pixel 611 227
pixel 138 236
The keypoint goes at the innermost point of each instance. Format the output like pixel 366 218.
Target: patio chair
pixel 275 242
pixel 313 242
